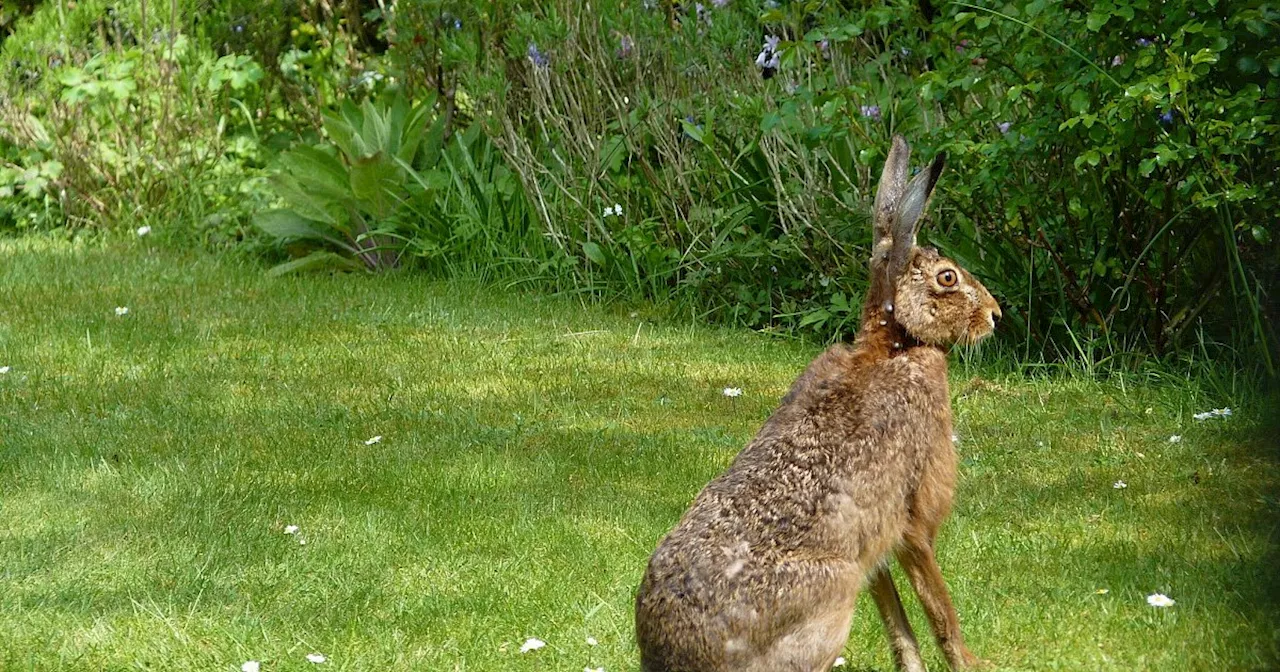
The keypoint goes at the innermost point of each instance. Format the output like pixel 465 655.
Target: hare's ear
pixel 910 214
pixel 893 182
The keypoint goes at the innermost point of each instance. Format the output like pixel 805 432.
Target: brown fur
pixel 857 463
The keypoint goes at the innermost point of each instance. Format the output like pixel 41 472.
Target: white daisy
pixel 732 392
pixel 593 669
pixel 1159 600
pixel 1215 413
pixel 290 529
pixel 373 440
pixel 142 231
pixel 1176 438
pixel 121 311
pixel 250 666
pixel 316 658
pixel 4 369
pixel 591 641
pixel 1119 485
pixel 840 661
pixel 532 644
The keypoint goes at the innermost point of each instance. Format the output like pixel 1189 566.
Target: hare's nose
pixel 996 315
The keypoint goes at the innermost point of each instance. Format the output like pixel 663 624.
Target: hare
pixel 761 573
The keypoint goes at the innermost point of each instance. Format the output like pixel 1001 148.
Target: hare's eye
pixel 947 278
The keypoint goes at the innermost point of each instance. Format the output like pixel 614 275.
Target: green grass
pixel 533 452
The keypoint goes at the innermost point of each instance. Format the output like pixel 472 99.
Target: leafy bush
pixel 359 194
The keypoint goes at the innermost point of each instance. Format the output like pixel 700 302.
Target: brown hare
pixel 857 462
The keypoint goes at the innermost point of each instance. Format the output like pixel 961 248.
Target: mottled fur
pixel 857 463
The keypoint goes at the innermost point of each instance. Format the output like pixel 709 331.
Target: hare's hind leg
pixel 917 558
pixel 906 652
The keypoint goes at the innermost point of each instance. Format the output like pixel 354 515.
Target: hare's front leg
pixel 917 558
pixel 906 652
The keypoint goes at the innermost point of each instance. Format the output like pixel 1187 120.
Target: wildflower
pixel 824 46
pixel 871 112
pixel 1159 600
pixel 121 311
pixel 692 122
pixel 143 230
pixel 625 46
pixel 4 369
pixel 1142 42
pixel 239 28
pixel 1004 126
pixel 614 211
pixel 732 392
pixel 1176 438
pixel 593 669
pixel 1119 485
pixel 1117 60
pixel 1101 591
pixel 720 4
pixel 302 542
pixel 1166 118
pixel 532 644
pixel 769 58
pixel 704 15
pixel 290 529
pixel 955 438
pixel 536 56
pixel 250 666
pixel 1215 413
pixel 372 440
pixel 961 46
pixel 591 641
pixel 904 51
pixel 316 658
pixel 840 661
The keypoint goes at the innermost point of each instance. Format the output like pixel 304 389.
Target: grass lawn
pixel 533 451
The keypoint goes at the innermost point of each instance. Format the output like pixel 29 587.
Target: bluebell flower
pixel 1143 42
pixel 720 4
pixel 537 57
pixel 1004 126
pixel 1166 119
pixel 871 112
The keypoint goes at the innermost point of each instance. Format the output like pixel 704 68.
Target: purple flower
pixel 1003 126
pixel 625 45
pixel 1143 42
pixel 871 112
pixel 704 15
pixel 769 57
pixel 961 46
pixel 720 4
pixel 537 57
pixel 825 47
pixel 1166 119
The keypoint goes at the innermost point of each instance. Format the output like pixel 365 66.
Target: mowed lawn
pixel 533 452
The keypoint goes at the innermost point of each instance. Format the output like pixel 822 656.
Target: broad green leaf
pixel 318 172
pixel 319 260
pixel 593 252
pixel 375 180
pixel 307 204
pixel 289 225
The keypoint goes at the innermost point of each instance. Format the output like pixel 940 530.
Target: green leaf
pixel 288 225
pixel 375 180
pixel 307 204
pixel 1204 56
pixel 1097 19
pixel 318 172
pixel 316 261
pixel 593 252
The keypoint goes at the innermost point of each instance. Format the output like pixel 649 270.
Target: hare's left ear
pixel 910 215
